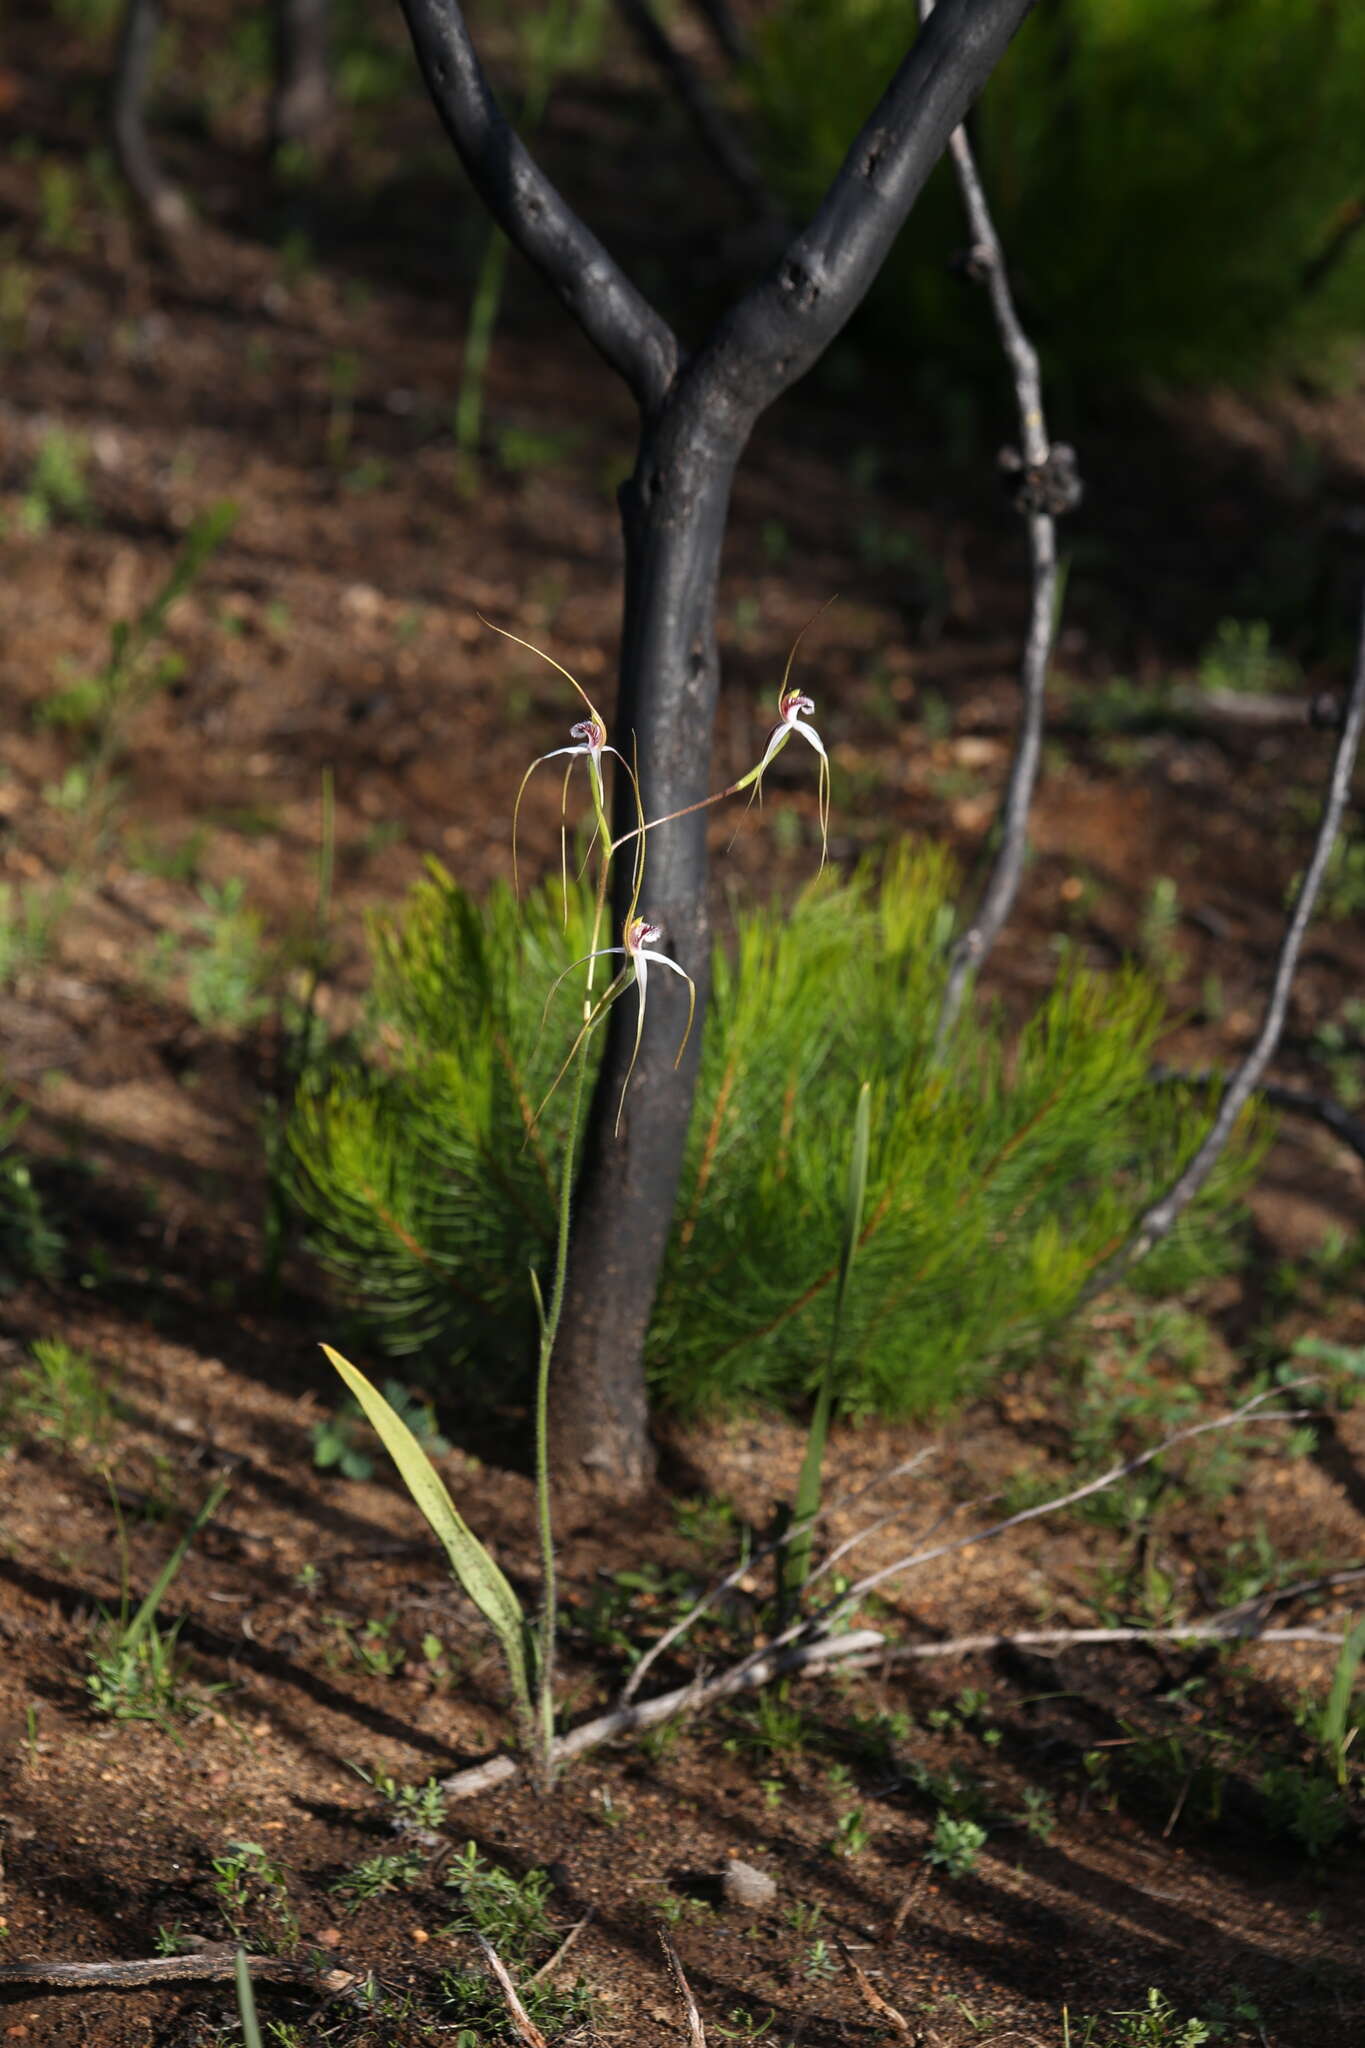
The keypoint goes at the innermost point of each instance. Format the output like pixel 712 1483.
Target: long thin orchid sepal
pixel 794 711
pixel 590 744
pixel 640 954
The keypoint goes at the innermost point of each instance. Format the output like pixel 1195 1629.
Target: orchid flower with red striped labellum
pixel 640 950
pixel 590 745
pixel 794 712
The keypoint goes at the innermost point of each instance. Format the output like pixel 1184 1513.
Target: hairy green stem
pixel 549 1328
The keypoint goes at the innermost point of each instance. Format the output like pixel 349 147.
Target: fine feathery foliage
pixel 1218 144
pixel 998 1179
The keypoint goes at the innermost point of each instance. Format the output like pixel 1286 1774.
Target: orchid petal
pixel 809 732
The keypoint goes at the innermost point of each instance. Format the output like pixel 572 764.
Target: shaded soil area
pixel 1143 1813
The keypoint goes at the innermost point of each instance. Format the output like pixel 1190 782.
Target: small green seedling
pixel 133 1674
pixel 1333 1732
pixel 337 1439
pixel 956 1845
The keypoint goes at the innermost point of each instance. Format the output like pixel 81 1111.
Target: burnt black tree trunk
pixel 697 411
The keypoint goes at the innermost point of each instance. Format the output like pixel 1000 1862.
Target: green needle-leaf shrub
pixel 1177 183
pixel 998 1179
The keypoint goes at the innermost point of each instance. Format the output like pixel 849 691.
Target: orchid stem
pixel 549 1318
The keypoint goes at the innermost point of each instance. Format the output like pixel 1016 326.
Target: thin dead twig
pixel 1066 1638
pixel 1161 1218
pixel 214 1962
pixel 800 1649
pixel 868 1992
pixel 696 2032
pixel 726 146
pixel 548 1969
pixel 745 1566
pixel 760 1668
pixel 849 1599
pixel 526 2028
pixel 1322 1109
pixel 1046 484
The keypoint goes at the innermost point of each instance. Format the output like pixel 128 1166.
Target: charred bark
pixel 696 417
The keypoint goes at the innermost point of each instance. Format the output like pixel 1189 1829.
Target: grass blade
pixel 146 1613
pixel 246 2003
pixel 807 1501
pixel 1333 1725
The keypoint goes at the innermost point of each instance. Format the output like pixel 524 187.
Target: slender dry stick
pixel 1062 1638
pixel 723 142
pixel 548 1969
pixel 1322 1109
pixel 847 1600
pixel 868 1992
pixel 523 2025
pixel 210 1963
pixel 799 1650
pixel 759 1670
pixel 1163 1215
pixel 696 2032
pixel 1047 484
pixel 746 1564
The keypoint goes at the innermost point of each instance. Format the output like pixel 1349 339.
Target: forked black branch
pixel 697 411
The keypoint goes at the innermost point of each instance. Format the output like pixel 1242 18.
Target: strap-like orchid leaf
pixel 471 1563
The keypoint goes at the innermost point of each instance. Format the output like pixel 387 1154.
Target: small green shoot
pixel 58 488
pixel 250 1887
pixel 1333 1733
pixel 61 1395
pixel 396 1872
pixel 337 1439
pixel 133 1674
pixel 956 1845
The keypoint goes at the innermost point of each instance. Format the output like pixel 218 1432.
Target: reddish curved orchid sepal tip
pixel 794 710
pixel 590 737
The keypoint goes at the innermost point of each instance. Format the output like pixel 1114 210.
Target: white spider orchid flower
pixel 589 738
pixel 794 713
pixel 640 952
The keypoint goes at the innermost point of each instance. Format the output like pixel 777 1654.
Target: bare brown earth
pixel 337 629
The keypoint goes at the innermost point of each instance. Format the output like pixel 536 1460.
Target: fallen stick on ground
pixel 215 1962
pixel 800 1651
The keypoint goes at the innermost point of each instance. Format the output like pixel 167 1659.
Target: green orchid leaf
pixel 471 1563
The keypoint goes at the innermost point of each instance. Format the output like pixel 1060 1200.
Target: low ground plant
pixel 29 1242
pixel 510 1915
pixel 135 1672
pixel 998 1178
pixel 96 711
pixel 59 1394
